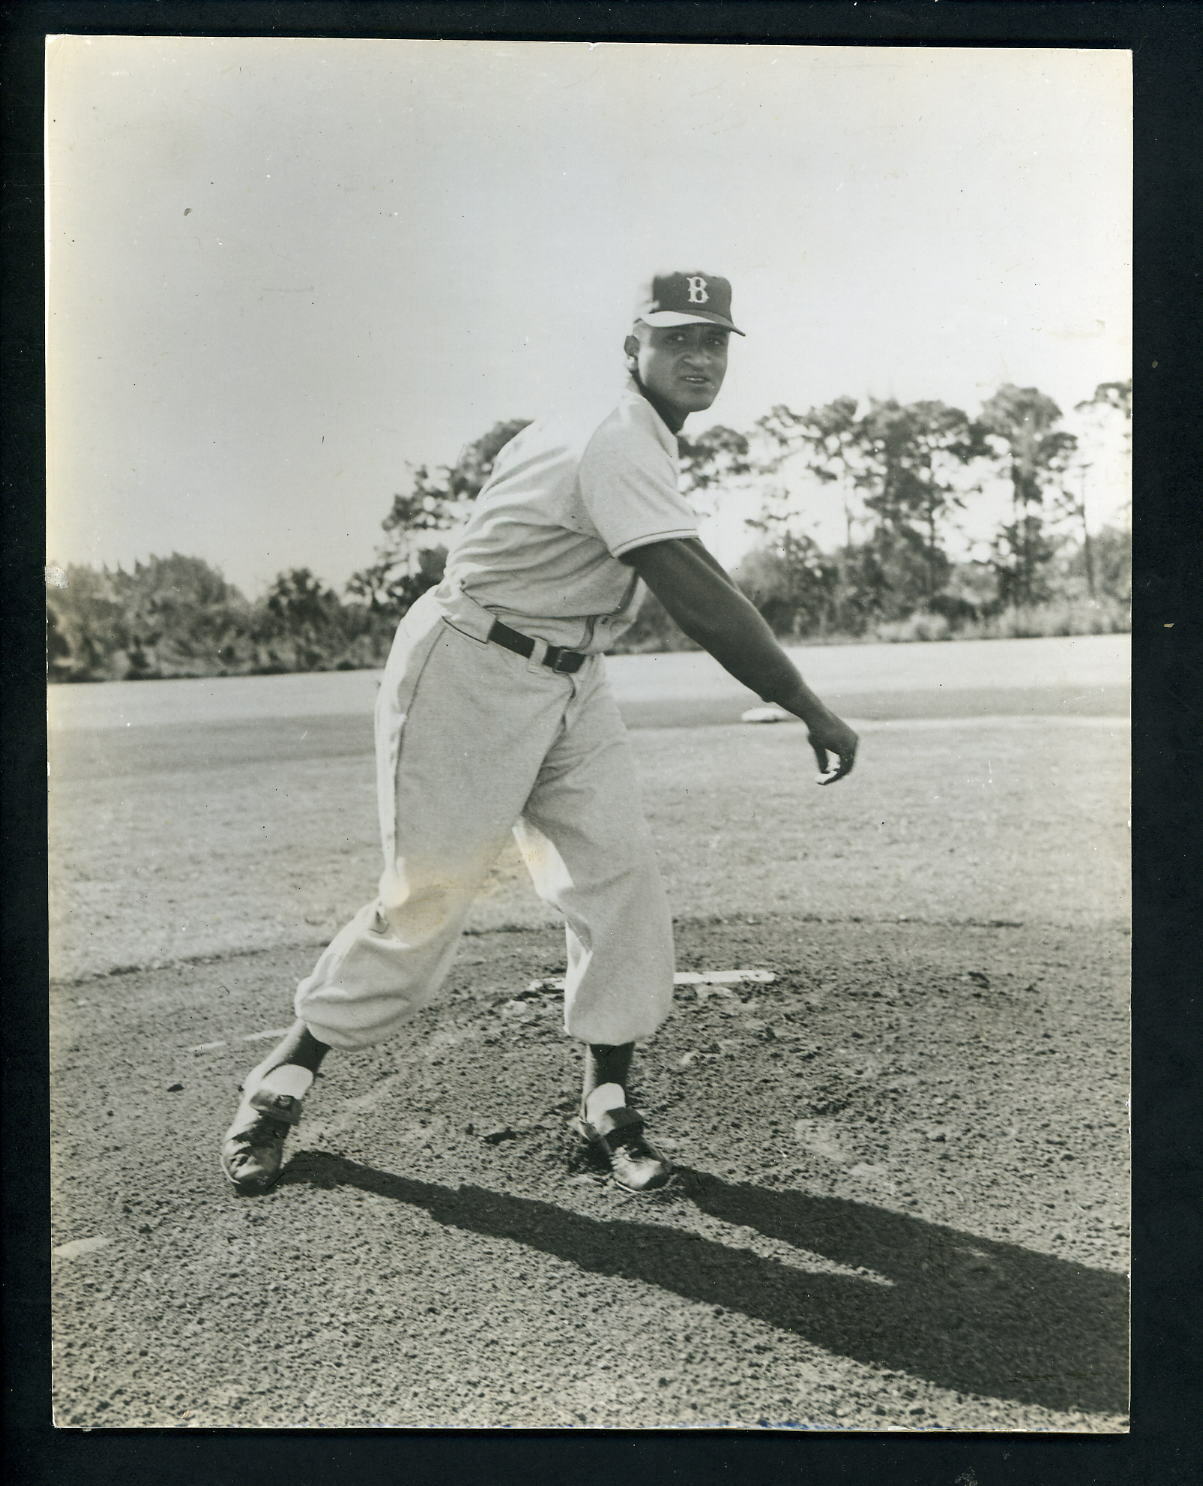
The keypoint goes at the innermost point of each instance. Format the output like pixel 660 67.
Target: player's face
pixel 681 367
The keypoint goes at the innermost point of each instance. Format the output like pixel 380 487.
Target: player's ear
pixel 631 347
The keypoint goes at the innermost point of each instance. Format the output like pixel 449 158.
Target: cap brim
pixel 659 319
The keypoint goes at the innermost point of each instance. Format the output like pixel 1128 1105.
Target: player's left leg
pixel 589 853
pixel 252 1152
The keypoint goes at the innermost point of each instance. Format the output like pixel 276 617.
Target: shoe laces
pixel 264 1131
pixel 635 1148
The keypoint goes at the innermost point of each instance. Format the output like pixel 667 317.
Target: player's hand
pixel 831 735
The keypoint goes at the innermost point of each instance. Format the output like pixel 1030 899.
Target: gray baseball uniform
pixel 474 740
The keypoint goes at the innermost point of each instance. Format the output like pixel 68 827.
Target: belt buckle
pixel 564 661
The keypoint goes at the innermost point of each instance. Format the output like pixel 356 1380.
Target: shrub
pixel 921 625
pixel 1107 616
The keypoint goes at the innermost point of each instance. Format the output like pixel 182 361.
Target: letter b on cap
pixel 697 289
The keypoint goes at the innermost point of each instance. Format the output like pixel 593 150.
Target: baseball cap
pixel 683 298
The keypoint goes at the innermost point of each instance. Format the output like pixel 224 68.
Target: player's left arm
pixel 699 594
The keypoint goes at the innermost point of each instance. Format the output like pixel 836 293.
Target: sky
pixel 282 272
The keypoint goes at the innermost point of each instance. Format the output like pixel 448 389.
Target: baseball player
pixel 495 716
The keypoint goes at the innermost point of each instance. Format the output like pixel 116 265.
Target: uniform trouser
pixel 473 741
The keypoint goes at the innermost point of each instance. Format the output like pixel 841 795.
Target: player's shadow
pixel 966 1313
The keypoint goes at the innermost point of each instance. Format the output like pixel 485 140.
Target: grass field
pixel 196 818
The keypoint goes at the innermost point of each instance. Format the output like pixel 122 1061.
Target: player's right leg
pixel 462 728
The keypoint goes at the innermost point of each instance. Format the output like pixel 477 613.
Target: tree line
pixel 896 477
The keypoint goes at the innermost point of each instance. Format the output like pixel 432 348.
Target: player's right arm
pixel 698 593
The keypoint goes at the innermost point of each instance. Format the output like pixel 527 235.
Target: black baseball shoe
pixel 616 1137
pixel 252 1154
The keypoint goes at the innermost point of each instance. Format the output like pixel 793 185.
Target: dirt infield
pixel 902 1203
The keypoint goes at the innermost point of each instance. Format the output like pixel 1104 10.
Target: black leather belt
pixel 563 661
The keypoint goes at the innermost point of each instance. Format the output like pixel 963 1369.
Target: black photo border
pixel 1166 41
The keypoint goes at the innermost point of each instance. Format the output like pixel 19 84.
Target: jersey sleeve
pixel 628 484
